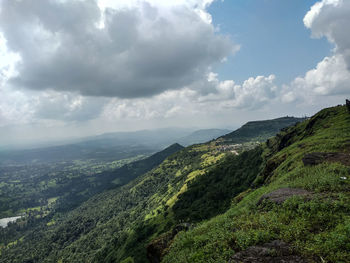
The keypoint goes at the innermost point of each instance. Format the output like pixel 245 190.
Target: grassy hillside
pixel 316 225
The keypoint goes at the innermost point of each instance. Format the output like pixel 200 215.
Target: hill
pixel 259 130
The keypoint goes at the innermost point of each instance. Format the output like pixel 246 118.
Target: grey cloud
pixel 139 52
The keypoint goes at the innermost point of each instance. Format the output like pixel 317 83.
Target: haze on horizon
pixel 78 68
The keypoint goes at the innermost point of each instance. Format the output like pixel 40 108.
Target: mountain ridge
pixel 260 130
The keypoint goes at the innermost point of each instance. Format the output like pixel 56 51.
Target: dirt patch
pixel 316 158
pixel 273 252
pixel 280 195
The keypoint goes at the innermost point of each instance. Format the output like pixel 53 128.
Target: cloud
pixel 67 106
pixel 190 103
pixel 15 107
pixel 331 19
pixel 47 107
pixel 139 50
pixel 162 106
pixel 252 94
pixel 331 76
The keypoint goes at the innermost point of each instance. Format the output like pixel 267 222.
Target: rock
pixel 157 248
pixel 287 139
pixel 314 158
pixel 348 105
pixel 274 252
pixel 282 194
pixel 320 157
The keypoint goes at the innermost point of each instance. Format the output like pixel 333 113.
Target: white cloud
pixel 331 76
pixel 51 105
pixel 15 107
pixel 331 19
pixel 253 93
pixel 47 107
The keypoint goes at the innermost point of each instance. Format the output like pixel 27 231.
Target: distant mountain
pixel 259 130
pixel 201 136
pixel 158 138
pixel 105 147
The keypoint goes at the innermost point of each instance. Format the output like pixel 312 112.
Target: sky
pixel 84 67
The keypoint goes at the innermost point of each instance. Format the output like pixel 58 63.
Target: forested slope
pixel 48 216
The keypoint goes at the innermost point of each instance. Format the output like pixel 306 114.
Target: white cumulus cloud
pixel 331 76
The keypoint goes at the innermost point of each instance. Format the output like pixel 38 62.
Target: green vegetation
pixel 74 192
pixel 211 193
pixel 26 186
pixel 118 224
pixel 216 193
pixel 318 227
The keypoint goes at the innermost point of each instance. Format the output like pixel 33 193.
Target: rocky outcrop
pixel 280 195
pixel 267 172
pixel 316 158
pixel 286 139
pixel 274 252
pixel 348 105
pixel 157 248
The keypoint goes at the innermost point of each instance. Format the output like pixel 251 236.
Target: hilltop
pixel 259 130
